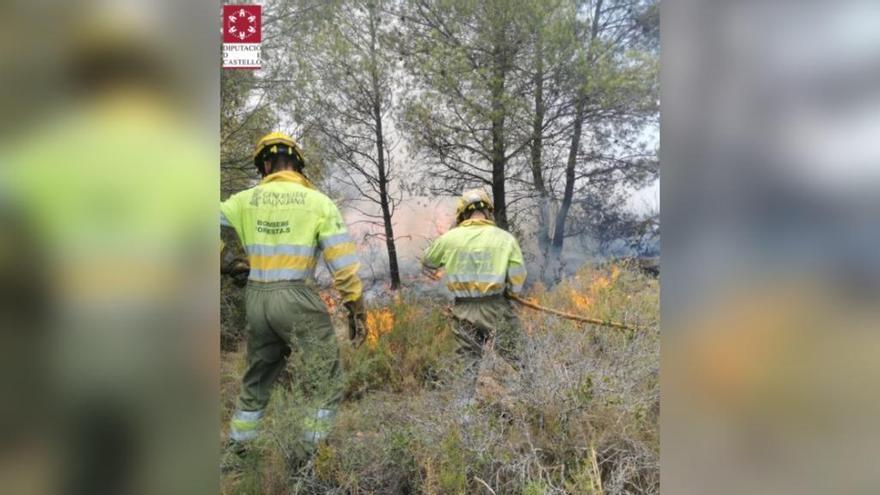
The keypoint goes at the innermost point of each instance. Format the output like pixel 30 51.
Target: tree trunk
pixel 568 194
pixel 499 73
pixel 538 147
pixel 389 228
pixel 384 201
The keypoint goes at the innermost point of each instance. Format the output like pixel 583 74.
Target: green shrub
pixel 414 355
pixel 581 417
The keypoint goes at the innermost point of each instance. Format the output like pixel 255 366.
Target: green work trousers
pixel 479 321
pixel 284 317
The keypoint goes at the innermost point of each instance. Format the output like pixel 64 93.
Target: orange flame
pixel 583 300
pixel 615 273
pixel 379 322
pixel 328 299
pixel 599 284
pixel 580 301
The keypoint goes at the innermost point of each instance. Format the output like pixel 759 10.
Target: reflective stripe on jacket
pixel 283 223
pixel 480 259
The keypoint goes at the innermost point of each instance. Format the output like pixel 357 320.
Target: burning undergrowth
pixel 581 416
pixel 379 322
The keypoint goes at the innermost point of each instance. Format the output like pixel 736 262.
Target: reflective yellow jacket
pixel 282 223
pixel 480 259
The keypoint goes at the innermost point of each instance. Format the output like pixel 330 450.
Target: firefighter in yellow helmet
pixel 284 224
pixel 482 262
pixel 105 335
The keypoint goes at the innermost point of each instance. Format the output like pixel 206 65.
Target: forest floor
pixel 579 417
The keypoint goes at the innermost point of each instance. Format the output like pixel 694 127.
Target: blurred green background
pixel 109 341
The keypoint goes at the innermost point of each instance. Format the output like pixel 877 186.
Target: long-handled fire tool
pixel 585 319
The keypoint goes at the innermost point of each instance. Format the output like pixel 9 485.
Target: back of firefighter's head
pixel 472 202
pixel 276 152
pixel 117 50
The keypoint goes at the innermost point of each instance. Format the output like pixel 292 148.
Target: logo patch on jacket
pixel 273 199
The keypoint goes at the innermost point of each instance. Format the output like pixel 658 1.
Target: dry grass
pixel 581 417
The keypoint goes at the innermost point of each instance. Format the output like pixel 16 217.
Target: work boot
pixel 301 454
pixel 316 427
pixel 234 456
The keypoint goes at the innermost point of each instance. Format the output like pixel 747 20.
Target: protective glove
pixel 240 273
pixel 357 321
pixel 238 269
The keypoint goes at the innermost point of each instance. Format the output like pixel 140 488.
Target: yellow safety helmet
pixel 113 47
pixel 277 143
pixel 472 200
